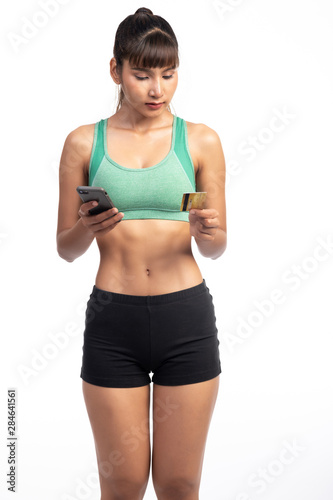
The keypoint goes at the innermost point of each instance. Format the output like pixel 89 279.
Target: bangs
pixel 155 50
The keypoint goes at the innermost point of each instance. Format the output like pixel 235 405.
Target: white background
pixel 241 64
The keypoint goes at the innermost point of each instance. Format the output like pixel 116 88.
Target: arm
pixel 76 227
pixel 73 242
pixel 73 239
pixel 209 226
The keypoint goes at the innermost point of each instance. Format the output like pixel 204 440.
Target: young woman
pixel 150 309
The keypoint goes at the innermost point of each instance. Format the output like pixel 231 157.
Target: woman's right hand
pixel 102 223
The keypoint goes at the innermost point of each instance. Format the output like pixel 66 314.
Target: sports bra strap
pixel 182 150
pixel 97 152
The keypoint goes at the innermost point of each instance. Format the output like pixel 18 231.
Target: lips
pixel 154 105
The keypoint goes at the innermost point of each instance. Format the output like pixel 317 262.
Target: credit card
pixel 193 200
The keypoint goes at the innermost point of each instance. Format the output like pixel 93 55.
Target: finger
pixel 204 212
pixel 85 207
pixel 206 237
pixel 207 223
pixel 206 230
pixel 211 223
pixel 201 228
pixel 107 225
pixel 108 222
pixel 95 219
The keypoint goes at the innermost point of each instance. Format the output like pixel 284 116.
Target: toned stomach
pixel 147 257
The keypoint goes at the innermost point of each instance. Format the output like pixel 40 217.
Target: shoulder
pixel 79 142
pixel 204 143
pixel 81 136
pixel 203 135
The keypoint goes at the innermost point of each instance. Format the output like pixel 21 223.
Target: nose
pixel 156 89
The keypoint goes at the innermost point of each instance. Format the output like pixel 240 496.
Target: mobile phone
pixel 91 193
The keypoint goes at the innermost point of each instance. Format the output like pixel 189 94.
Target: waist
pixel 147 258
pixel 164 298
pixel 140 276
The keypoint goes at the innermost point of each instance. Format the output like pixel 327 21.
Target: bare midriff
pixel 147 257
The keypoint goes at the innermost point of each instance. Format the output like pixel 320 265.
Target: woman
pixel 150 309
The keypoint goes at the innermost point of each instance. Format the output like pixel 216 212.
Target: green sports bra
pixel 145 193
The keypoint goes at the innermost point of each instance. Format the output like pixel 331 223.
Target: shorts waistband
pixel 164 298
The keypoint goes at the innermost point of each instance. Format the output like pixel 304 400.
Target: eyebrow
pixel 150 71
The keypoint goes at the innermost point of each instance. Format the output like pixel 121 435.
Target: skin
pixel 163 260
pixel 146 257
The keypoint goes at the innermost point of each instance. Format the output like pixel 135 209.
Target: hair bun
pixel 143 10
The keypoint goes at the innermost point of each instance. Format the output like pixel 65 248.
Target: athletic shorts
pixel 172 335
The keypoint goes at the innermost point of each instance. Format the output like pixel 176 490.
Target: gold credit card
pixel 193 200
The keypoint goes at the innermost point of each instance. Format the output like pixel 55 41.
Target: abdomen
pixel 147 257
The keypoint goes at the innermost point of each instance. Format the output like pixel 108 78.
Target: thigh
pixel 119 420
pixel 181 419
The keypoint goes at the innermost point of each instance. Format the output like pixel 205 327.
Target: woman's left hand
pixel 204 223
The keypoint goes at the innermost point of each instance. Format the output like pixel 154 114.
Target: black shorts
pixel 173 335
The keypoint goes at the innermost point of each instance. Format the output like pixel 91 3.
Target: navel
pixel 148 272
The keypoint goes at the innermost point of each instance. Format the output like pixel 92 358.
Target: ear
pixel 113 71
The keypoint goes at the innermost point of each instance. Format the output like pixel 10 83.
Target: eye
pixel 167 77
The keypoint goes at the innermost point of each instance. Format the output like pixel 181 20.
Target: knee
pixel 177 488
pixel 125 489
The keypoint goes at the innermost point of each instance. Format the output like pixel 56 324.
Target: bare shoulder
pixel 78 146
pixel 202 139
pixel 205 135
pixel 81 138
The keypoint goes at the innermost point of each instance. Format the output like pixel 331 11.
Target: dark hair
pixel 146 41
